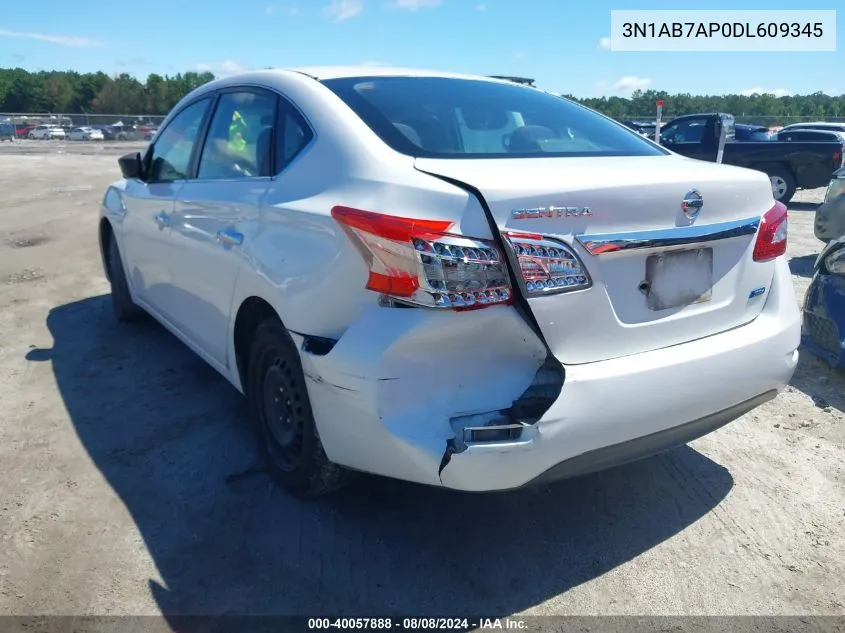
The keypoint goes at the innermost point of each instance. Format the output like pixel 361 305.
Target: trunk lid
pixel 636 202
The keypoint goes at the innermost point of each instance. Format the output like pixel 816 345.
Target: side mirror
pixel 131 166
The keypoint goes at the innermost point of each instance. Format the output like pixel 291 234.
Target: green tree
pixel 58 92
pixel 82 93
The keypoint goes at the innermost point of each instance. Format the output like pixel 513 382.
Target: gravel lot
pixel 130 483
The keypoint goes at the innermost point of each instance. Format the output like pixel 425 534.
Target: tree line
pixel 71 92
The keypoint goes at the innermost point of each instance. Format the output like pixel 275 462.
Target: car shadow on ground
pixel 168 435
pixel 817 379
pixel 803 206
pixel 802 266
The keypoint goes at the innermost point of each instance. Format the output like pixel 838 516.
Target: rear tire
pixel 783 184
pixel 121 299
pixel 281 412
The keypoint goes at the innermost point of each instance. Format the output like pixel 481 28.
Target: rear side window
pixel 293 135
pixel 437 117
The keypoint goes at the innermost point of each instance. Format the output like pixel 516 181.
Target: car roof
pixel 322 73
pixel 818 125
pixel 835 131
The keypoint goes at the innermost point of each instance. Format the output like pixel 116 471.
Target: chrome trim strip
pixel 599 243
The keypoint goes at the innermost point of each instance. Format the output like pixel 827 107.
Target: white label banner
pixel 708 30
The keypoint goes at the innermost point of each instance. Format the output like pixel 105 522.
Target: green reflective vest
pixel 236 133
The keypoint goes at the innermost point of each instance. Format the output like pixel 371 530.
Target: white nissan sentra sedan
pixel 448 279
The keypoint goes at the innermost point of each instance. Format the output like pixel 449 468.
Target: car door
pixel 686 137
pixel 216 212
pixel 145 230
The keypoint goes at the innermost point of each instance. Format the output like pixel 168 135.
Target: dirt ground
pixel 130 483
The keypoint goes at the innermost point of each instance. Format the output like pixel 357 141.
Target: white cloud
pixel 481 7
pixel 778 92
pixel 340 10
pixel 631 83
pixel 64 40
pixel 223 69
pixel 374 63
pixel 604 43
pixel 415 5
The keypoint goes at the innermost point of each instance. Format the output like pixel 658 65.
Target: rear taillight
pixel 420 262
pixel 547 266
pixel 771 238
pixel 837 158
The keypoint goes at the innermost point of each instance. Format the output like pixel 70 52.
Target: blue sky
pixel 557 42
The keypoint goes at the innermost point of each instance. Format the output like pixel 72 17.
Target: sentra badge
pixel 551 212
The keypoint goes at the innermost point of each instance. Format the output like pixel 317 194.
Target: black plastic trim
pixel 648 445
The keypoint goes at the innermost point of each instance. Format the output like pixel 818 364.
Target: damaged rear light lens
pixel 419 262
pixel 547 266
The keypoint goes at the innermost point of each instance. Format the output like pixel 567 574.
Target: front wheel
pixel 783 184
pixel 281 412
pixel 121 299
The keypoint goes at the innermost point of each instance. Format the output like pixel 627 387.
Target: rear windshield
pixel 436 117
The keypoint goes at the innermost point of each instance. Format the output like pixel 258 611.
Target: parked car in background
pixel 803 134
pixel 23 129
pixel 829 222
pixel 823 325
pixel 816 125
pixel 122 132
pixel 85 134
pixel 634 125
pixel 146 132
pixel 452 280
pixel 47 131
pixel 790 165
pixel 7 131
pixel 744 132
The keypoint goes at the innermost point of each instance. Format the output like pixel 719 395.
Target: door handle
pixel 230 237
pixel 162 219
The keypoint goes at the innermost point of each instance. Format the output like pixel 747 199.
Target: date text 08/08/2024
pixel 417 624
pixel 722 29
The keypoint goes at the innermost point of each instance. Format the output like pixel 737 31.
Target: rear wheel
pixel 281 412
pixel 121 299
pixel 783 184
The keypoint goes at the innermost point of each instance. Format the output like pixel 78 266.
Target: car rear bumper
pixel 638 448
pixel 385 398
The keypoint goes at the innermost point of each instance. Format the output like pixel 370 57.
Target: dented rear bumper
pixel 391 397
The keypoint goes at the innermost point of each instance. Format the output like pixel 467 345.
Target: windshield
pixel 436 117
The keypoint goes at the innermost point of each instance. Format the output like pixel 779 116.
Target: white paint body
pixel 85 134
pixel 384 395
pixel 47 132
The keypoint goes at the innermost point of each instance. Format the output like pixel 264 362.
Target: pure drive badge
pixel 551 212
